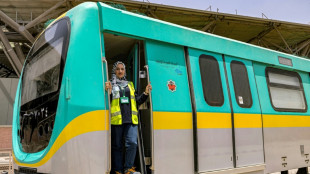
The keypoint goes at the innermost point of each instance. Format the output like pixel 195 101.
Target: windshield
pixel 42 68
pixel 41 82
pixel 41 75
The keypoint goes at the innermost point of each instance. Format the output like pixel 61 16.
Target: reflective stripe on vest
pixel 116 115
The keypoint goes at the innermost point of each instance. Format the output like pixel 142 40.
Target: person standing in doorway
pixel 124 118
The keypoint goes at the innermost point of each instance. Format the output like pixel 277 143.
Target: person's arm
pixel 108 87
pixel 143 97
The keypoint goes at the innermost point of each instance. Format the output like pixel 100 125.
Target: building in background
pixel 7 96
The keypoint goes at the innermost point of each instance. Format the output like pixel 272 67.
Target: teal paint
pixel 136 68
pixel 163 60
pixel 132 65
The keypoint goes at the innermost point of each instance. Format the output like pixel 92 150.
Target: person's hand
pixel 108 86
pixel 148 89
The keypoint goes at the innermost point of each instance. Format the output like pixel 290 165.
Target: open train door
pixel 172 133
pixel 134 76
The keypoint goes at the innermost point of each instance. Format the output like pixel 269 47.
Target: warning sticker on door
pixel 171 86
pixel 240 100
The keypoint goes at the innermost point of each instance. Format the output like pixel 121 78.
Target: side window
pixel 286 90
pixel 211 80
pixel 241 84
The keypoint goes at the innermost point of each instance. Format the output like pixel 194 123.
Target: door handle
pixel 151 114
pixel 104 60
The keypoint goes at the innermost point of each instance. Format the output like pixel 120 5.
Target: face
pixel 120 71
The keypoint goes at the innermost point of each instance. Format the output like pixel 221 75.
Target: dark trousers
pixel 130 134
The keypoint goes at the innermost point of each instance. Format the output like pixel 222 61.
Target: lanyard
pixel 123 90
pixel 124 99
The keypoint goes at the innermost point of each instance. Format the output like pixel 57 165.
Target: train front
pixel 37 94
pixel 59 110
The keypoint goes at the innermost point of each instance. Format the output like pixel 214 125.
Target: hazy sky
pixel 285 10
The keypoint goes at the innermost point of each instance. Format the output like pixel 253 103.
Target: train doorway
pixel 131 52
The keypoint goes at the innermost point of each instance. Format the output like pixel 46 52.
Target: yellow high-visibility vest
pixel 116 115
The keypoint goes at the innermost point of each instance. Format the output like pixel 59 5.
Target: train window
pixel 41 81
pixel 286 90
pixel 241 84
pixel 211 80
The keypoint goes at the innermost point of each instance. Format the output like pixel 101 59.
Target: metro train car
pixel 217 105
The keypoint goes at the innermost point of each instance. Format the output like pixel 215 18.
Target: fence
pixel 6 161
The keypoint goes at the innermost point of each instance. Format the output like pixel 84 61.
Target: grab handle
pixel 109 125
pixel 151 113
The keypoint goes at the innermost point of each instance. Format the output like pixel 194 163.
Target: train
pixel 217 106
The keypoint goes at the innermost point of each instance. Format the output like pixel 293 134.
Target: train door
pixel 228 114
pixel 247 116
pixel 136 63
pixel 172 113
pixel 213 111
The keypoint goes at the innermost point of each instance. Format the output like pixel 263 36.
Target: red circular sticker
pixel 171 86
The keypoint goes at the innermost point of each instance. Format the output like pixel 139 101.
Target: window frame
pixel 249 87
pixel 205 56
pixel 287 73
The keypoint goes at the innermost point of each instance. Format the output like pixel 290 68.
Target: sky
pixel 297 11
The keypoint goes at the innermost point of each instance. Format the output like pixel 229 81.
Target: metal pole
pixel 205 28
pixel 288 47
pixel 305 50
pixel 303 45
pixel 109 130
pixel 19 53
pixel 274 45
pixel 38 19
pixel 151 111
pixel 13 57
pixel 21 29
pixel 11 163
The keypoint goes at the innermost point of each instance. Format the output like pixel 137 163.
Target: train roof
pixel 289 37
pixel 120 21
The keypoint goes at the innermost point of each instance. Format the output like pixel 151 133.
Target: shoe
pixel 131 171
pixel 118 172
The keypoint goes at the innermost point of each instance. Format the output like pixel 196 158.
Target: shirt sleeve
pixel 141 98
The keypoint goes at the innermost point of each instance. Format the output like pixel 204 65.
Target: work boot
pixel 131 171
